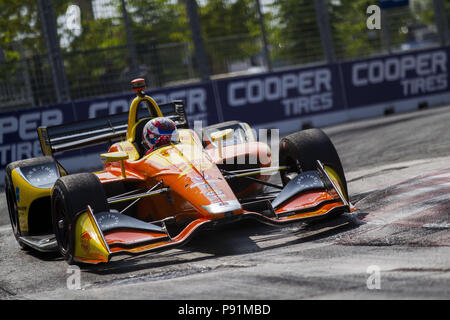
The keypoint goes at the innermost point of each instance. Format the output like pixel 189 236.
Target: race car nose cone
pixel 227 206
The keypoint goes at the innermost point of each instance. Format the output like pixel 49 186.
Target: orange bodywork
pixel 165 244
pixel 196 192
pixel 190 172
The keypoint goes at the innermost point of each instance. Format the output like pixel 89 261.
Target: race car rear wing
pixel 107 129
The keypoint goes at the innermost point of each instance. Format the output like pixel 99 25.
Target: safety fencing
pixel 47 42
pixel 289 100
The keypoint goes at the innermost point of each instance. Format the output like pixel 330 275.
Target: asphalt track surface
pixel 398 170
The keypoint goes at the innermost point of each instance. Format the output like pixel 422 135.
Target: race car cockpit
pixel 126 126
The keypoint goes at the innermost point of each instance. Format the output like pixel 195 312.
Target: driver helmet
pixel 159 132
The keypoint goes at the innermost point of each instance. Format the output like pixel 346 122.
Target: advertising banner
pixel 281 95
pixel 18 134
pixel 396 77
pixel 315 91
pixel 199 103
pixel 388 4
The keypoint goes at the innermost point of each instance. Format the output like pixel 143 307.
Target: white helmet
pixel 159 132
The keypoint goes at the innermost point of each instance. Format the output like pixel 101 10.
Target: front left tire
pixel 70 196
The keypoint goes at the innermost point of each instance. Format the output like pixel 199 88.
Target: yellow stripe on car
pixel 28 194
pixel 90 246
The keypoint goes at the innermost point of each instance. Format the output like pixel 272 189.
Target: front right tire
pixel 301 150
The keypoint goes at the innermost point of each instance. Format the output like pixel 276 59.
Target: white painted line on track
pixel 419 191
pixel 439 176
pixel 437 225
pixel 5 227
pixel 407 211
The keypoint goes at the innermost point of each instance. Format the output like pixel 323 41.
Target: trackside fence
pixel 292 99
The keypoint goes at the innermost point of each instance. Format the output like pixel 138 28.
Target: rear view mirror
pixel 219 136
pixel 114 157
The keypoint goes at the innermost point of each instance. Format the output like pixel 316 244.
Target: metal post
pixel 385 31
pixel 189 61
pixel 48 21
pixel 267 60
pixel 197 38
pixel 86 9
pixel 2 56
pixel 130 40
pixel 441 21
pixel 26 73
pixel 325 30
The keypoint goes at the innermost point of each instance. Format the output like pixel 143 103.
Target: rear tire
pixel 71 195
pixel 12 210
pixel 11 196
pixel 300 151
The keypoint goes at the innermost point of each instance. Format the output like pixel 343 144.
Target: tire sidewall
pixel 73 193
pixel 12 212
pixel 287 157
pixel 304 148
pixel 58 195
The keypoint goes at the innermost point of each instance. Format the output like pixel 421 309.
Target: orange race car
pixel 148 200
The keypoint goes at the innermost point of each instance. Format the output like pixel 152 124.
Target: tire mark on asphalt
pixel 377 173
pixel 420 270
pixel 8 292
pixel 421 196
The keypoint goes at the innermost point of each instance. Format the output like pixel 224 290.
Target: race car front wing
pixel 102 236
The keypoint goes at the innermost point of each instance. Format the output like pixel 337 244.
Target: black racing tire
pixel 11 198
pixel 71 195
pixel 300 151
pixel 12 210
